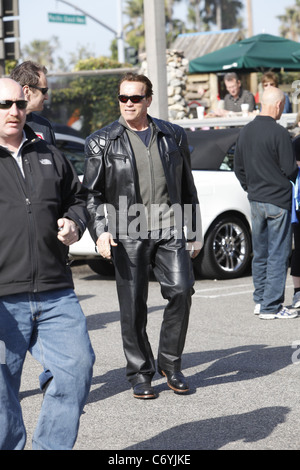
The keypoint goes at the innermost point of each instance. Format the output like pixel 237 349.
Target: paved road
pixel 243 373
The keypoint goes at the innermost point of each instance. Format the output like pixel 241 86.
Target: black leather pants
pixel 173 270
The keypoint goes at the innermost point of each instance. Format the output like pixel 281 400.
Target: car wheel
pixel 227 250
pixel 102 267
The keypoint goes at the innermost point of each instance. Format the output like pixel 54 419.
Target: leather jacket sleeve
pixel 94 177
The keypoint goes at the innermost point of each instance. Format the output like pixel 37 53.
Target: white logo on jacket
pixel 45 161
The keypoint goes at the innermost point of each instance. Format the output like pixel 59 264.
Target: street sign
pixel 71 19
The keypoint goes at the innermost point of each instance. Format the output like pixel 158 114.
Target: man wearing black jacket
pixel 42 208
pixel 265 165
pixel 134 167
pixel 33 79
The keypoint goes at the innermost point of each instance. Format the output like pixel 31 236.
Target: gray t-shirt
pixel 234 104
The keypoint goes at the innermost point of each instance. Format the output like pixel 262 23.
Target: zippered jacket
pixel 111 175
pixel 32 259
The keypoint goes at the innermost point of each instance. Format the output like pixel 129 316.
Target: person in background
pixel 33 80
pixel 143 163
pixel 294 129
pixel 271 79
pixel 235 97
pixel 295 260
pixel 265 165
pixel 43 205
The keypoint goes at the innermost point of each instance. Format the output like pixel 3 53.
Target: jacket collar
pixel 119 126
pixel 30 133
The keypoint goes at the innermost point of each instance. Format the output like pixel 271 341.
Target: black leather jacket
pixel 110 173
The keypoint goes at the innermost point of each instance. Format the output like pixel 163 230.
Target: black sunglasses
pixel 134 98
pixel 43 90
pixel 7 104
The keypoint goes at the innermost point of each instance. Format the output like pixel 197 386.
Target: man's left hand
pixel 194 248
pixel 67 231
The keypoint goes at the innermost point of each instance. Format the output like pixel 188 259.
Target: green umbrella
pixel 261 52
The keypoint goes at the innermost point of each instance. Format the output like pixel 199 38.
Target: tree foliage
pixel 93 98
pixel 290 22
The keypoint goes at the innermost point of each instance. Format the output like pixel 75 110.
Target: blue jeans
pixel 272 244
pixel 51 325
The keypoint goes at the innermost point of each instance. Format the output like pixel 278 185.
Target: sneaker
pixel 267 316
pixel 296 300
pixel 283 314
pixel 286 313
pixel 257 309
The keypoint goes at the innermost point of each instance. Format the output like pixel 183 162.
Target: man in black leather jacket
pixel 140 190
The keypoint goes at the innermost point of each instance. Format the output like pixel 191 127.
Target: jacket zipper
pixel 32 238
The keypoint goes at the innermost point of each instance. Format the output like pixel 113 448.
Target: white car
pixel 225 209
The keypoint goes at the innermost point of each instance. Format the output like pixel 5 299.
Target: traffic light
pixel 9 30
pixel 131 55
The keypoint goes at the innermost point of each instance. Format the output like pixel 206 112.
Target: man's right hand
pixel 104 243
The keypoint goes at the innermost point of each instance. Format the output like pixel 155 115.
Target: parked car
pixel 225 209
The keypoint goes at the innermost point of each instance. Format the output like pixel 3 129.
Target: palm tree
pixel 135 31
pixel 41 51
pixel 223 13
pixel 290 22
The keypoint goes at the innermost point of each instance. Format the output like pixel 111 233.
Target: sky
pixel 34 22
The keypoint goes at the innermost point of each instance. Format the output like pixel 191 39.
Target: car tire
pixel 102 267
pixel 227 250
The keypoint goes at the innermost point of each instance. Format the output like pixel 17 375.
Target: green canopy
pixel 261 52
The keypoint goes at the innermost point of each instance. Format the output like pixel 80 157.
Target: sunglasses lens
pixel 21 104
pixel 7 104
pixel 42 90
pixel 134 99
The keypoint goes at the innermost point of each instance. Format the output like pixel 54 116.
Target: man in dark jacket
pixel 265 164
pixel 32 77
pixel 43 211
pixel 138 170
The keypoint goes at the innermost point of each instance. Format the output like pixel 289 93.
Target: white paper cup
pixel 200 112
pixel 245 109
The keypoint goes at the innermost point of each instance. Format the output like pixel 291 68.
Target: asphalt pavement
pixel 244 375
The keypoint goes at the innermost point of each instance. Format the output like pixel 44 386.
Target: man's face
pixel 233 87
pixel 134 113
pixel 34 96
pixel 12 120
